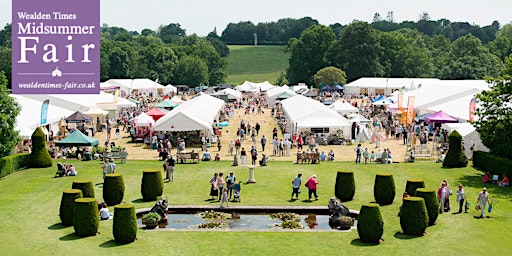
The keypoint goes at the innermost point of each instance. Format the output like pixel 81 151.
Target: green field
pixel 30 205
pixel 255 64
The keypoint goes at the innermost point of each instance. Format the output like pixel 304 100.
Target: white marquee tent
pixel 197 114
pixel 279 93
pixel 343 108
pixel 254 87
pixel 142 84
pixel 232 94
pixel 385 86
pixel 469 135
pixel 304 113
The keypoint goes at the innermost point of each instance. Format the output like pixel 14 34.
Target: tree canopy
pixel 8 113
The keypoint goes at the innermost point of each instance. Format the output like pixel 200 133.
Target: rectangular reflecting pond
pixel 258 222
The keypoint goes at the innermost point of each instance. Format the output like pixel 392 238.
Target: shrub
pixel 39 158
pixel 370 225
pixel 413 184
pixel 67 205
pixel 152 185
pixel 431 203
pixel 384 188
pixel 345 187
pixel 413 216
pixel 125 223
pixel 492 163
pixel 12 163
pixel 85 217
pixel 86 186
pixel 455 157
pixel 113 189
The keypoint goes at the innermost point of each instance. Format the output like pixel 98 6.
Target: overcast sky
pixel 201 16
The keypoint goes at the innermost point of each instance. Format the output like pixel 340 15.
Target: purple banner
pixel 55 47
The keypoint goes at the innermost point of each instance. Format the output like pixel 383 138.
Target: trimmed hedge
pixel 39 158
pixel 113 189
pixel 86 186
pixel 125 223
pixel 370 225
pixel 412 184
pixel 455 157
pixel 67 205
pixel 152 185
pixel 384 188
pixel 494 164
pixel 12 163
pixel 431 202
pixel 85 217
pixel 414 216
pixel 345 187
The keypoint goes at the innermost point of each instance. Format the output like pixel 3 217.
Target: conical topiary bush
pixel 113 189
pixel 431 202
pixel 455 157
pixel 86 186
pixel 412 184
pixel 152 185
pixel 125 223
pixel 40 157
pixel 67 205
pixel 414 216
pixel 384 188
pixel 370 225
pixel 85 217
pixel 345 187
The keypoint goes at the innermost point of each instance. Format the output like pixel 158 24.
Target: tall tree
pixel 495 116
pixel 191 71
pixel 8 113
pixel 308 53
pixel 469 59
pixel 171 32
pixel 357 52
pixel 330 76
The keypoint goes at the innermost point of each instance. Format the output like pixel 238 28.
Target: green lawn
pixel 255 64
pixel 30 204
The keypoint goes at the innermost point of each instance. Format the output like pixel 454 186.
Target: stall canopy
pixel 232 94
pixel 359 119
pixel 143 120
pixel 76 139
pixel 167 103
pixel 279 93
pixel 382 101
pixel 78 117
pixel 469 135
pixel 440 117
pixel 155 113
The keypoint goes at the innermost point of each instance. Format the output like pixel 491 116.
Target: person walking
pixel 224 195
pixel 230 182
pixel 243 156
pixel 358 151
pixel 296 182
pixel 263 143
pixel 254 155
pixel 442 195
pixel 461 197
pixel 311 184
pixel 483 199
pixel 170 162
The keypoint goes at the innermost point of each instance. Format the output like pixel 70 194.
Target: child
pixel 224 197
pixel 104 214
pixel 217 157
pixel 372 157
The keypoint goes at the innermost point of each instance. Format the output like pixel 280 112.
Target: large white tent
pixel 279 93
pixel 81 102
pixel 232 94
pixel 254 87
pixel 343 108
pixel 197 114
pixel 385 86
pixel 30 115
pixel 142 84
pixel 304 113
pixel 469 135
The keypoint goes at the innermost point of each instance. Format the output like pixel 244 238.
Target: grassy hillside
pixel 255 64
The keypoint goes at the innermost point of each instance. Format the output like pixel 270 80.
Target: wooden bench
pixel 116 155
pixel 183 157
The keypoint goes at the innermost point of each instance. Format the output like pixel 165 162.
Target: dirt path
pixel 267 123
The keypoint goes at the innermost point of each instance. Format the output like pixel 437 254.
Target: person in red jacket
pixel 311 184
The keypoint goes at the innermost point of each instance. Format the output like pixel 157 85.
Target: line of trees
pixel 363 51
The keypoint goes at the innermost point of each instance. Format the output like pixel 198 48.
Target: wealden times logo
pixel 55 47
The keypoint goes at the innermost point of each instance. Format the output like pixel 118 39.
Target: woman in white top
pixel 461 197
pixel 483 198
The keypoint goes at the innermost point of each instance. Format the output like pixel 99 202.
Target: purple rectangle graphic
pixel 56 46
